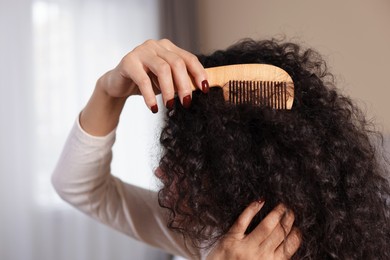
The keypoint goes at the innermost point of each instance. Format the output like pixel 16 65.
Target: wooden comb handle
pixel 220 76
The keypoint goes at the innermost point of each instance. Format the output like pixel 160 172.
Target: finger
pixel 268 224
pixel 280 232
pixel 287 221
pixel 140 77
pixel 194 67
pixel 162 71
pixel 289 247
pixel 239 227
pixel 180 75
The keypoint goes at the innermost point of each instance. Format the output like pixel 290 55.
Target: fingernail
pixel 205 86
pixel 169 104
pixel 261 201
pixel 154 109
pixel 187 101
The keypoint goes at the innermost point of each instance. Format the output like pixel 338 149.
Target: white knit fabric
pixel 82 178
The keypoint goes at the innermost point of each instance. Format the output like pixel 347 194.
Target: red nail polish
pixel 169 104
pixel 154 109
pixel 205 86
pixel 261 200
pixel 187 101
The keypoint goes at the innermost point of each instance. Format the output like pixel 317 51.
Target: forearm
pixel 101 114
pixel 82 178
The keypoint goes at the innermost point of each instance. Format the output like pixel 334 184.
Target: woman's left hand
pixel 273 238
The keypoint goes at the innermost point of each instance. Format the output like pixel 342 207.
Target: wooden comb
pixel 256 84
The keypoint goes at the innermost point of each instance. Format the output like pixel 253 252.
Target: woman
pixel 82 176
pixel 320 159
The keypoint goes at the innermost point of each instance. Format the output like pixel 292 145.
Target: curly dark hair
pixel 321 159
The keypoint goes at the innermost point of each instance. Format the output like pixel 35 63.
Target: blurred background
pixel 52 52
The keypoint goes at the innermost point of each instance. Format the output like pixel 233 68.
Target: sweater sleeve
pixel 82 178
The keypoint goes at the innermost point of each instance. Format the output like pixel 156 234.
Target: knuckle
pixel 145 47
pixel 295 239
pixel 168 93
pixel 280 210
pixel 165 42
pixel 149 42
pixel 143 82
pixel 163 69
pixel 193 59
pixel 178 63
pixel 266 229
pixel 288 219
pixel 291 216
pixel 128 59
pixel 139 49
pixel 240 224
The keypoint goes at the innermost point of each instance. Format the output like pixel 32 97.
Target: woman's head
pixel 316 158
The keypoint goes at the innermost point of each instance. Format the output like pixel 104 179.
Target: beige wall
pixel 352 35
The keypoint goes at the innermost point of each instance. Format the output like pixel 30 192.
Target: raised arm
pixel 152 68
pixel 82 176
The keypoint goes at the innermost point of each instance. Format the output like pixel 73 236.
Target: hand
pixel 273 238
pixel 151 68
pixel 154 67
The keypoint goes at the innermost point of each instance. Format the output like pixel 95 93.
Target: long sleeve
pixel 82 178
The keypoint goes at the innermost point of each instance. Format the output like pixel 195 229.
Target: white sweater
pixel 82 177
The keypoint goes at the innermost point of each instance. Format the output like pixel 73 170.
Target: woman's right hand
pixel 156 66
pixel 274 238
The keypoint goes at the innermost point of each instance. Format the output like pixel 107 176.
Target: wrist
pixel 102 95
pixel 101 114
pixel 115 86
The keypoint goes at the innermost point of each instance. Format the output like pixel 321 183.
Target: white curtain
pixel 51 53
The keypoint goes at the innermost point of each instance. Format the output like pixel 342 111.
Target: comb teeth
pixel 272 94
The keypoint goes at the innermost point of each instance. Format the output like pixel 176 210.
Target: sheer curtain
pixel 51 53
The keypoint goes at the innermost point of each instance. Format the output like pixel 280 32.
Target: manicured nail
pixel 154 109
pixel 205 86
pixel 169 104
pixel 261 201
pixel 187 101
